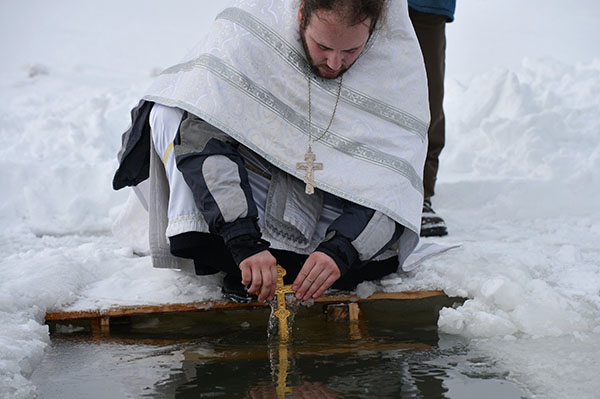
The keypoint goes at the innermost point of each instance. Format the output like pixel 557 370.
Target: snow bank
pixel 519 188
pixel 529 140
pixel 59 135
pixel 537 123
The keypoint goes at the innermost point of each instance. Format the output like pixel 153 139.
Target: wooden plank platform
pixel 104 315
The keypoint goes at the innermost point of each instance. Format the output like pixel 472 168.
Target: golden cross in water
pixel 282 313
pixel 310 166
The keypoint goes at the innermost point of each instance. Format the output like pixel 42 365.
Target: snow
pixel 518 185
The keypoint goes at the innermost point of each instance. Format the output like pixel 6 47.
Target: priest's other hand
pixel 318 273
pixel 260 270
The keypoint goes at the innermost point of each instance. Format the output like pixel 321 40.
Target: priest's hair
pixel 352 11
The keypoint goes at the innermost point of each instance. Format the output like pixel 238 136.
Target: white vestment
pixel 248 78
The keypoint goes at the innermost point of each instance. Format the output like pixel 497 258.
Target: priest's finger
pixel 309 281
pixel 267 283
pixel 246 274
pixel 308 266
pixel 317 284
pixel 256 280
pixel 274 277
pixel 325 286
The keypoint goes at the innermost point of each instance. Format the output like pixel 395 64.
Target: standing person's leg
pixel 431 33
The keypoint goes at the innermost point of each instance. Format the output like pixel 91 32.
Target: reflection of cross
pixel 310 166
pixel 282 313
pixel 282 372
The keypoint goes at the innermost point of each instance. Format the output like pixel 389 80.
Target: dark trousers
pixel 211 256
pixel 431 32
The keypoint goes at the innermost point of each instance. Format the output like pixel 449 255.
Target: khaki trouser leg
pixel 431 32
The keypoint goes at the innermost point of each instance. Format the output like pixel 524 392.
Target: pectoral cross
pixel 310 166
pixel 282 313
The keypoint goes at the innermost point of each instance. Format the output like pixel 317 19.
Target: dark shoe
pixel 431 224
pixel 234 291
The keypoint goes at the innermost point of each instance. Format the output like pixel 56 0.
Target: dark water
pixel 393 352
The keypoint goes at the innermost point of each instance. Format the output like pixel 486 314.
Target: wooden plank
pixel 100 325
pixel 378 296
pixel 337 312
pixel 299 351
pixel 353 311
pixel 118 311
pixel 342 312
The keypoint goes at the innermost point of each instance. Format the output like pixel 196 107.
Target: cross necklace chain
pixel 309 164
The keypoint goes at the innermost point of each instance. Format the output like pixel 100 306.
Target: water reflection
pixel 389 354
pixel 306 389
pixel 364 368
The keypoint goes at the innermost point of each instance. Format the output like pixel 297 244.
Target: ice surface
pixel 518 186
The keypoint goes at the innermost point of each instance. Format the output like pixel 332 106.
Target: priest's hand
pixel 318 273
pixel 260 270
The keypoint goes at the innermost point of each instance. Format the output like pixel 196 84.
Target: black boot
pixel 431 224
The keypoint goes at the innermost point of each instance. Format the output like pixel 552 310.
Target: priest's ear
pixel 301 19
